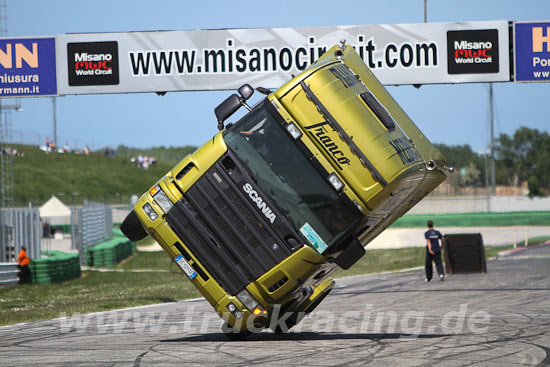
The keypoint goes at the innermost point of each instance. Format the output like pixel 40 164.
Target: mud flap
pixel 350 255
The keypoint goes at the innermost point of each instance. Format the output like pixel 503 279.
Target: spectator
pixel 23 261
pixel 433 252
pixel 143 161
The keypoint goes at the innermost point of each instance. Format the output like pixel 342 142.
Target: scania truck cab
pixel 263 214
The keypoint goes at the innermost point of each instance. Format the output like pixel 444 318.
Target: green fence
pixel 56 267
pixel 474 220
pixel 110 252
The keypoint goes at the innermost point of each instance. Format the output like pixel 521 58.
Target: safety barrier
pixel 56 267
pixel 19 227
pixel 8 274
pixel 118 233
pixel 90 225
pixel 110 252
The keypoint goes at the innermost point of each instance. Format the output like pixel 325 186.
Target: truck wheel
pixel 132 228
pixel 233 334
pixel 293 320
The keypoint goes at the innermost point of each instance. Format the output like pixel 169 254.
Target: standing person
pixel 23 261
pixel 433 252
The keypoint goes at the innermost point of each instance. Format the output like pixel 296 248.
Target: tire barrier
pixel 110 252
pixel 56 267
pixel 464 253
pixel 118 233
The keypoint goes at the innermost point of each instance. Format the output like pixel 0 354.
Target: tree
pixel 466 161
pixel 525 154
pixel 533 186
pixel 472 175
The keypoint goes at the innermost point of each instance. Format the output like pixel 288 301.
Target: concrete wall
pixel 476 204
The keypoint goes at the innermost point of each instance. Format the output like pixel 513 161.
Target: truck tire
pixel 132 228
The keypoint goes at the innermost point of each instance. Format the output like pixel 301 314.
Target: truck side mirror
pixel 226 109
pixel 246 91
pixel 263 90
pixel 232 104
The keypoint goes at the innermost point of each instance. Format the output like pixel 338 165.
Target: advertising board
pixel 163 61
pixel 27 67
pixel 532 51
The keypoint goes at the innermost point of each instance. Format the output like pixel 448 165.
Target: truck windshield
pixel 284 173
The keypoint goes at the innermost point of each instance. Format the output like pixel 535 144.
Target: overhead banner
pixel 425 53
pixel 532 51
pixel 27 67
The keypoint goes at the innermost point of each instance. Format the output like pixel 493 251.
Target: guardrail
pixel 8 274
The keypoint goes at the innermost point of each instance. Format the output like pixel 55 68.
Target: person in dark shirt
pixel 433 252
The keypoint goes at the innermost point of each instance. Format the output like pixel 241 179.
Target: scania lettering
pixel 262 215
pixel 259 202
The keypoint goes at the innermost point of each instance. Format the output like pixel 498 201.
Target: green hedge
pixel 110 252
pixel 57 267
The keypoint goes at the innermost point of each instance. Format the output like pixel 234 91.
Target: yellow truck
pixel 263 214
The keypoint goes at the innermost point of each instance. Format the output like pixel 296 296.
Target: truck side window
pixel 379 110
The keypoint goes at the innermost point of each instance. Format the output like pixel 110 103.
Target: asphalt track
pixel 501 318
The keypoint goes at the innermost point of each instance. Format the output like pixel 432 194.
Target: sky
pixel 450 114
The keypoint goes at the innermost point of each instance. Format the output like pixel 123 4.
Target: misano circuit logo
pixel 93 63
pixel 472 51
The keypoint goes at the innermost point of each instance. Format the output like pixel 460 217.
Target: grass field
pixel 93 292
pixel 157 260
pixel 74 178
pixel 102 291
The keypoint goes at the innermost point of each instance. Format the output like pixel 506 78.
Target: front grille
pixel 225 231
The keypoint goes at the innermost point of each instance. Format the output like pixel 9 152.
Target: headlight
pixel 358 206
pixel 161 198
pixel 233 309
pixel 335 182
pixel 294 131
pixel 247 300
pixel 148 209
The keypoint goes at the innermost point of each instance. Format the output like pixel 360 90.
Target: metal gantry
pixel 6 162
